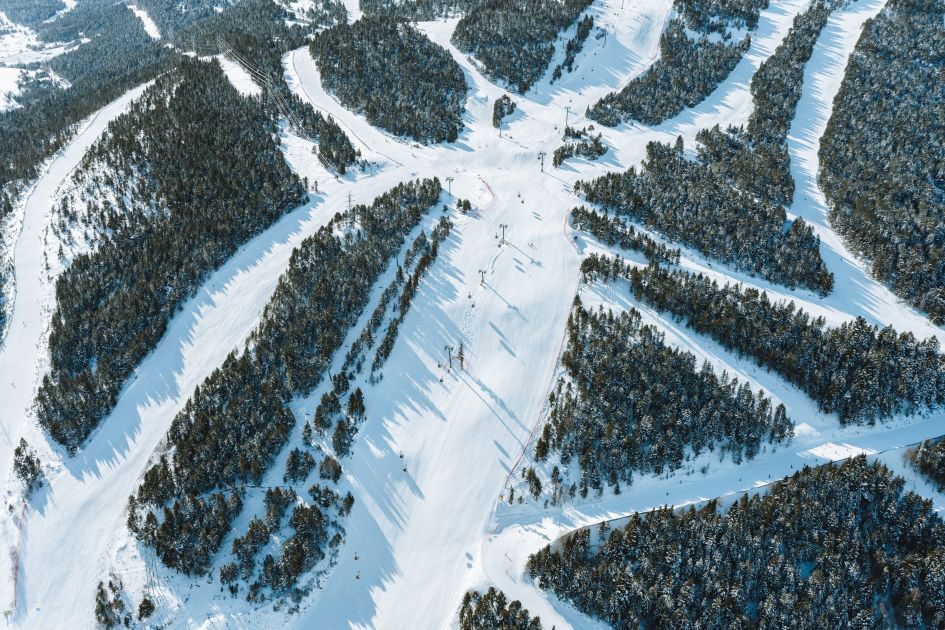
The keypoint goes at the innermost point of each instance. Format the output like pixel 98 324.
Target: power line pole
pixel 449 185
pixel 541 156
pixel 502 227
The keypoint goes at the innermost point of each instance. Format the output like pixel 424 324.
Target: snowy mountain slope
pixel 22 349
pixel 818 437
pixel 20 45
pixel 208 327
pixel 418 538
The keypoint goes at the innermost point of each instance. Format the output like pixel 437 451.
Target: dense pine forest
pixel 31 12
pixel 861 372
pixel 697 52
pixel 390 72
pixel 755 159
pixel 689 203
pixel 631 404
pixel 238 420
pixel 256 34
pixel 189 207
pixel 493 611
pixel 836 546
pixel 616 232
pixel 929 459
pixel 417 10
pixel 514 40
pixel 119 57
pixel 883 152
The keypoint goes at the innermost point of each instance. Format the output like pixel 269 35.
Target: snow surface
pixel 239 77
pixel 353 7
pixel 9 88
pixel 424 536
pixel 149 26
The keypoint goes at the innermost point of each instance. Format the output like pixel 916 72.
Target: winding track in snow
pixel 31 284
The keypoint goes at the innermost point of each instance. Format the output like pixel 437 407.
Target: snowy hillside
pixel 436 469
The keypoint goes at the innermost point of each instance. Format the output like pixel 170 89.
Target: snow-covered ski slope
pixel 23 349
pixel 149 25
pixel 417 539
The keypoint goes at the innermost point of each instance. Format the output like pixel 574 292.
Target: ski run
pixel 429 467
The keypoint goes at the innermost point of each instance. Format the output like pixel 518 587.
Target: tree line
pixel 687 202
pixel 195 193
pixel 514 40
pixel 882 155
pixel 629 403
pixel 836 546
pixel 574 46
pixel 238 420
pixel 32 13
pixel 425 252
pixel 393 75
pixel 697 52
pixel 929 459
pixel 493 611
pixel 756 159
pixel 417 10
pixel 616 232
pixel 260 32
pixel 859 371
